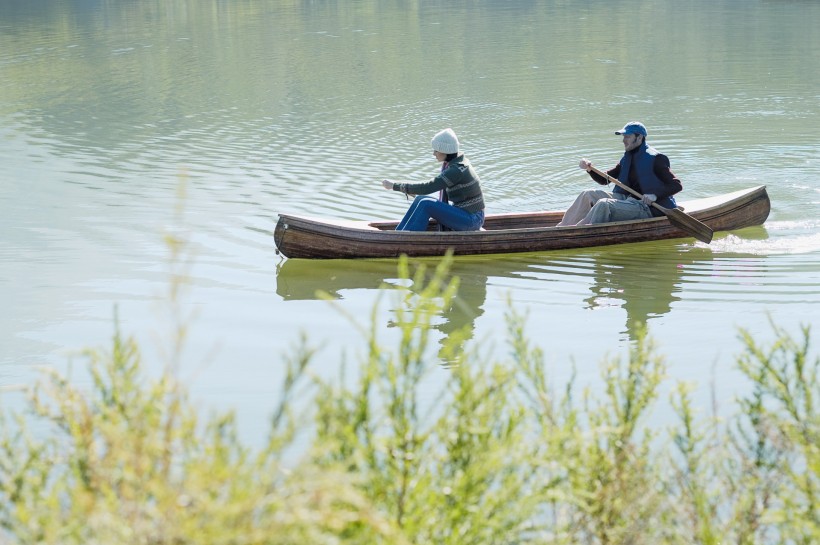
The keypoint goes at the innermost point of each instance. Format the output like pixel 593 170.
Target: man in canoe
pixel 643 169
pixel 457 183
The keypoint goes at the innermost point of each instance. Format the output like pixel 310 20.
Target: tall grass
pixel 501 455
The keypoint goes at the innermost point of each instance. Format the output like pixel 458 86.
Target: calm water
pixel 108 108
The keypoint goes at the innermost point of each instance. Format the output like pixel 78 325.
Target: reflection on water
pixel 299 279
pixel 644 284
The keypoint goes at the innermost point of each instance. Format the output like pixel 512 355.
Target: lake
pixel 123 122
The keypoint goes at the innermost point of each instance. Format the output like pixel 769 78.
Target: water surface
pixel 114 114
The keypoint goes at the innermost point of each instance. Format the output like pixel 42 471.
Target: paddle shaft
pixel 678 217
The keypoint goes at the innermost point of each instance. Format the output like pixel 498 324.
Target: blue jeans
pixel 425 207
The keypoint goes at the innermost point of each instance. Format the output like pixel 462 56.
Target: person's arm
pixel 663 171
pixel 393 185
pixel 421 188
pixel 587 165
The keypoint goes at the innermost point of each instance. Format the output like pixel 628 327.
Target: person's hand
pixel 387 184
pixel 585 165
pixel 648 199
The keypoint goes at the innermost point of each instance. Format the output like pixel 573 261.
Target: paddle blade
pixel 687 223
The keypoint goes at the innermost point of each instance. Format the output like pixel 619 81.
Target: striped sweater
pixel 460 181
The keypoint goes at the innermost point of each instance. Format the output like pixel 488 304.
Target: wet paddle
pixel 676 216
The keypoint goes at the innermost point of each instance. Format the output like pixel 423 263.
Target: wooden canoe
pixel 307 237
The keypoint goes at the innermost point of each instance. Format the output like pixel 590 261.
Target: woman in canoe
pixel 457 183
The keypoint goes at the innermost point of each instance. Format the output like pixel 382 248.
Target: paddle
pixel 676 216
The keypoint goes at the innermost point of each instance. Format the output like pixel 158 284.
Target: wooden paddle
pixel 676 216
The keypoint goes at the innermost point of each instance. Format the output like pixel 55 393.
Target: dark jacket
pixel 646 170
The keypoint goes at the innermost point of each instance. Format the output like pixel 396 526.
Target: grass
pixel 502 454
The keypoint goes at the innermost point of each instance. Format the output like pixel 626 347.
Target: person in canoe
pixel 643 169
pixel 460 205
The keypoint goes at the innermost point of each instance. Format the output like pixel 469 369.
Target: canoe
pixel 299 236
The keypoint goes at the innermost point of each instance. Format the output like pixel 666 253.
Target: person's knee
pixel 421 203
pixel 417 201
pixel 425 205
pixel 601 212
pixel 590 196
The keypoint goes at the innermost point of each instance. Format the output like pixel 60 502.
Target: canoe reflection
pixel 299 279
pixel 645 280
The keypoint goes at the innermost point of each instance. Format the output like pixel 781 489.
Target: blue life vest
pixel 644 159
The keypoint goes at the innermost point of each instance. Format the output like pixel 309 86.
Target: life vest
pixel 644 161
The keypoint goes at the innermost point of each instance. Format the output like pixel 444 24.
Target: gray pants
pixel 599 206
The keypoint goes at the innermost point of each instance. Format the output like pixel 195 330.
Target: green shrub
pixel 500 455
pixel 130 462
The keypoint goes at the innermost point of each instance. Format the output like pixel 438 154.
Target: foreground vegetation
pixel 501 455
